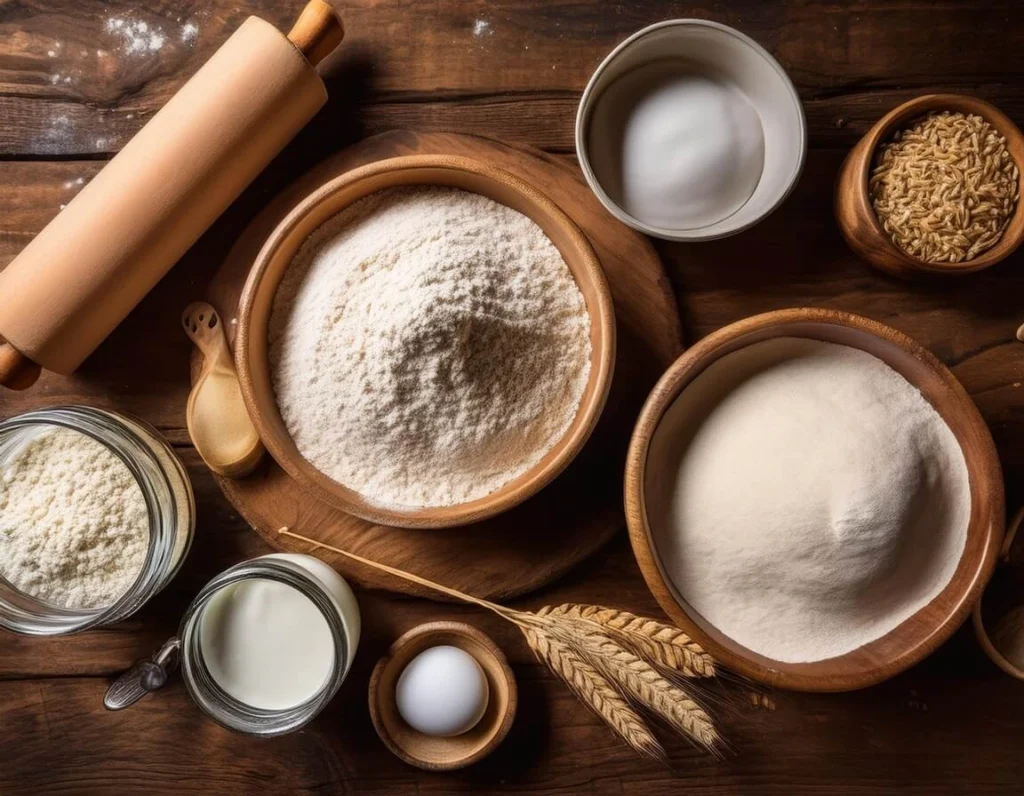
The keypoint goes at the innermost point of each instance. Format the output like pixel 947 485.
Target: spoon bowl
pixel 218 421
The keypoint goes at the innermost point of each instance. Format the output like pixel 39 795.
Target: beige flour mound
pixel 805 498
pixel 428 346
pixel 74 527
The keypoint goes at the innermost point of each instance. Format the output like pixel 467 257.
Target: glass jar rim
pixel 225 709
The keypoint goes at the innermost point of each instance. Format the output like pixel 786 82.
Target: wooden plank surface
pixel 511 69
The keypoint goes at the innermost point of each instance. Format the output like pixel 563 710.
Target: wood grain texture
pixel 950 725
pixel 430 66
pixel 536 542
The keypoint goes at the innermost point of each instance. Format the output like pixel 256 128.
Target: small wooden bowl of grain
pixel 856 215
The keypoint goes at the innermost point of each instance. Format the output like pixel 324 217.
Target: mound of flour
pixel 805 498
pixel 74 527
pixel 427 346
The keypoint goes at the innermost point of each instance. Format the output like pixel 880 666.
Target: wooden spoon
pixel 217 418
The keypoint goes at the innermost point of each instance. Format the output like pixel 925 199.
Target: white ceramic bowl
pixel 716 49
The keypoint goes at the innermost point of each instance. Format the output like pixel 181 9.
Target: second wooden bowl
pixel 326 202
pixel 1003 600
pixel 923 632
pixel 443 754
pixel 856 217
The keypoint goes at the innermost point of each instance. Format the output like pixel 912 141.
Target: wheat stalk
pixel 612 660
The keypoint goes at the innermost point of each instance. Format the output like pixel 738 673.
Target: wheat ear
pixel 635 677
pixel 595 691
pixel 663 645
pixel 643 683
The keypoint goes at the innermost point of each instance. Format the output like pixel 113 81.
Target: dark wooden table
pixel 74 88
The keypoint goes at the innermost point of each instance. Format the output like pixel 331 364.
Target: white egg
pixel 442 692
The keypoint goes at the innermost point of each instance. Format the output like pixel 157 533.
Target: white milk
pixel 268 645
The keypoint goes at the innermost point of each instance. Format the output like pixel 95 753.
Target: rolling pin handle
pixel 17 371
pixel 317 31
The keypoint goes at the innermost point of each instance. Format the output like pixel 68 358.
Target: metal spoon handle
pixel 145 676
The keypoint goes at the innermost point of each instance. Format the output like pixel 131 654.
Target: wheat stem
pixel 398 573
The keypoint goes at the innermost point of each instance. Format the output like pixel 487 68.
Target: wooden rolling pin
pixel 94 262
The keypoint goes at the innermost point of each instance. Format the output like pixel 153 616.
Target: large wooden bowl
pixel 923 632
pixel 284 242
pixel 856 217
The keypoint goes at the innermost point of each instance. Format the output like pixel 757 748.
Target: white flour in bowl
pixel 805 498
pixel 427 346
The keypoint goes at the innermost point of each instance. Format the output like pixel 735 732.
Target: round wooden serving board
pixel 537 542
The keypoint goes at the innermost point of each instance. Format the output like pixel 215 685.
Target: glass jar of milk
pixel 263 648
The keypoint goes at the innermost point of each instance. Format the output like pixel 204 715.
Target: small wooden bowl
pixel 326 202
pixel 426 751
pixel 923 632
pixel 1004 592
pixel 856 217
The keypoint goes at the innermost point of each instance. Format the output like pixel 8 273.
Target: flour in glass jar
pixel 74 526
pixel 428 346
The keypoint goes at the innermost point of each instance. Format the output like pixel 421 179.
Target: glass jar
pixel 169 501
pixel 314 580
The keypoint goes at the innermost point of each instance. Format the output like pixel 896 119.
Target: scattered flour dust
pixel 805 498
pixel 427 346
pixel 74 527
pixel 138 37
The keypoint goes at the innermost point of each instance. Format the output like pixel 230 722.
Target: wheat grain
pixel 759 700
pixel 945 188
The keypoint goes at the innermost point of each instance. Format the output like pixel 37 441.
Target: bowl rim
pixel 590 96
pixel 737 658
pixel 602 319
pixel 882 130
